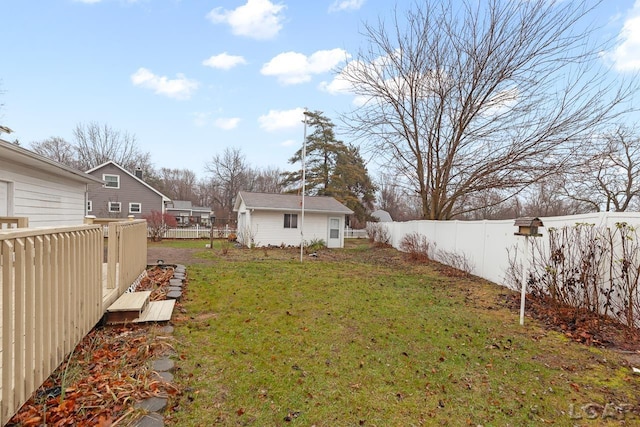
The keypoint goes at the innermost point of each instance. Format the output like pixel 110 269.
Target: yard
pixel 361 336
pixel 356 336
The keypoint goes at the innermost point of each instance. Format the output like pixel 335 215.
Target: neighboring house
pixel 276 219
pixel 186 214
pixel 122 194
pixel 49 193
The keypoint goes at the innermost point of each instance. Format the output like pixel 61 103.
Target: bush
pixel 378 234
pixel 416 246
pixel 158 224
pixel 315 245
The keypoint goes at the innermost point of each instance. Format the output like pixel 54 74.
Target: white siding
pixel 267 228
pixel 46 199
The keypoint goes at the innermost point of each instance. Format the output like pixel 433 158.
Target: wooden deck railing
pixel 12 222
pixel 126 253
pixel 51 291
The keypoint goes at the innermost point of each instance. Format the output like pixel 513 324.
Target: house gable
pixel 123 194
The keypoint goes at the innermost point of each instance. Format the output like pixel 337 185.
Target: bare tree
pixel 460 97
pixel 178 184
pixel 396 200
pixel 99 143
pixel 609 178
pixel 58 149
pixel 265 180
pixel 229 173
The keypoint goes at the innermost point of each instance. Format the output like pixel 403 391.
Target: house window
pixel 89 206
pixel 135 208
pixel 111 181
pixel 114 207
pixel 290 220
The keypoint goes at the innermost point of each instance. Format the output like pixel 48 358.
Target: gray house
pixel 48 193
pixel 276 219
pixel 122 194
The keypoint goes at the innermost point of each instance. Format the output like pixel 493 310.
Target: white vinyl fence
pixel 485 243
pixel 197 232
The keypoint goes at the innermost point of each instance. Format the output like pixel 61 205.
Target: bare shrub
pixel 416 246
pixel 378 234
pixel 590 268
pixel 457 260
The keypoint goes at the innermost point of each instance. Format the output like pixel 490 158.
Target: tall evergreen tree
pixel 332 168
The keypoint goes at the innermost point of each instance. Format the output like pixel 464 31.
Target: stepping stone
pixel 179 271
pixel 175 288
pixel 153 404
pixel 181 267
pixel 166 377
pixel 175 282
pixel 163 365
pixel 178 276
pixel 174 294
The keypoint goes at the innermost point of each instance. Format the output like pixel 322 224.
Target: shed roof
pixel 186 205
pixel 16 154
pixel 289 202
pixel 382 215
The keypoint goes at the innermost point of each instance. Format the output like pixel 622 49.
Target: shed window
pixel 114 207
pixel 89 206
pixel 111 181
pixel 135 207
pixel 290 220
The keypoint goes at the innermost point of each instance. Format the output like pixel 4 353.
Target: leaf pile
pixel 157 281
pixel 582 326
pixel 100 382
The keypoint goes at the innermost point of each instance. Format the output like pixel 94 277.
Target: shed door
pixel 4 198
pixel 334 240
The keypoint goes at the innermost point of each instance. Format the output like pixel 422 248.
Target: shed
pixel 49 193
pixel 276 219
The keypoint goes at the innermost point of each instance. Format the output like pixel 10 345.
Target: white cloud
pixel 295 68
pixel 340 5
pixel 178 88
pixel 258 19
pixel 227 123
pixel 224 61
pixel 626 55
pixel 281 119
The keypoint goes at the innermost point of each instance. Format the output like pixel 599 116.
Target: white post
pixel 304 153
pixel 525 265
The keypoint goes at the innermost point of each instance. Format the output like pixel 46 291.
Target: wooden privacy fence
pixel 51 292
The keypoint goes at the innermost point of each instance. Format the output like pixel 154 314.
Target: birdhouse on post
pixel 528 226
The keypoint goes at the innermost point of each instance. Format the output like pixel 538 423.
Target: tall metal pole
pixel 304 154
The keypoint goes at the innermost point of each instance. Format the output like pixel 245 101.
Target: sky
pixel 190 78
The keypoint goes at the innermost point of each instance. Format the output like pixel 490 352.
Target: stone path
pixel 162 368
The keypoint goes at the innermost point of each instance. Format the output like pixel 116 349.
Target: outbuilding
pixel 277 219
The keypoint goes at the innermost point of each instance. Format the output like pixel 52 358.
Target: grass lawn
pixel 359 336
